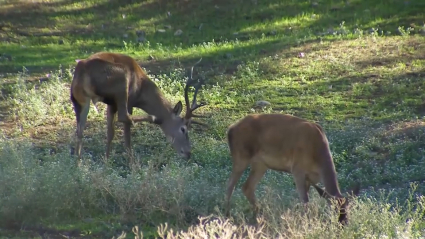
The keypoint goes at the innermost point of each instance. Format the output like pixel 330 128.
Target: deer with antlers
pixel 283 143
pixel 119 82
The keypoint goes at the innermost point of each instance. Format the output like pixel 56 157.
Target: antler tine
pixel 199 123
pixel 200 116
pixel 197 87
pixel 191 69
pixel 190 108
pixel 148 118
pixel 186 88
pixel 194 105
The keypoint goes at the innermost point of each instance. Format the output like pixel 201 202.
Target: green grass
pixel 34 30
pixel 355 67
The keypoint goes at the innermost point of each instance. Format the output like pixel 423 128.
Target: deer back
pixel 110 71
pixel 135 75
pixel 122 59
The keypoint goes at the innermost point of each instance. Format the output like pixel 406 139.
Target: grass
pixel 355 67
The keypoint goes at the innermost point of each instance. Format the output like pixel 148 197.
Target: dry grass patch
pixel 347 58
pixel 408 128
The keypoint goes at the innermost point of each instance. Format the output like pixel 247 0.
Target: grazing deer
pixel 118 81
pixel 283 143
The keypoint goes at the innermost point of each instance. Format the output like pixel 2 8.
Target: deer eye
pixel 183 129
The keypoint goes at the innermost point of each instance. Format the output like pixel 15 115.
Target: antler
pixel 192 107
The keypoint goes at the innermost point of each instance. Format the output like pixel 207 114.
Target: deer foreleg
pixel 122 107
pixel 301 184
pixel 94 101
pixel 111 111
pixel 127 136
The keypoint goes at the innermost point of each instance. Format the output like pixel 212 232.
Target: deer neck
pixel 329 176
pixel 151 100
pixel 331 185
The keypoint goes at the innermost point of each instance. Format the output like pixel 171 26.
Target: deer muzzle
pixel 186 154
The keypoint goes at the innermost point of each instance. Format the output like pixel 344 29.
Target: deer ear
pixel 356 190
pixel 178 108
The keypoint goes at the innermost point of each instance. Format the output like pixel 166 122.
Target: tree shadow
pixel 366 15
pixel 111 22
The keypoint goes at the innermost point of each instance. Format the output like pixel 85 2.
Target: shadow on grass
pixel 45 26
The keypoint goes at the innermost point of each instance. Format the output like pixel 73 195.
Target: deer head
pixel 342 203
pixel 176 127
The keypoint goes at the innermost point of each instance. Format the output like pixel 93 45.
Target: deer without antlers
pixel 283 143
pixel 118 81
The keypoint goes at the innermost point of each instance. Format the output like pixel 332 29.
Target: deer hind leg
pixel 77 110
pixel 239 167
pixel 258 169
pixel 81 123
pixel 111 111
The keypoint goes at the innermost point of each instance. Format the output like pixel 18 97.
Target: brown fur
pixel 118 81
pixel 283 143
